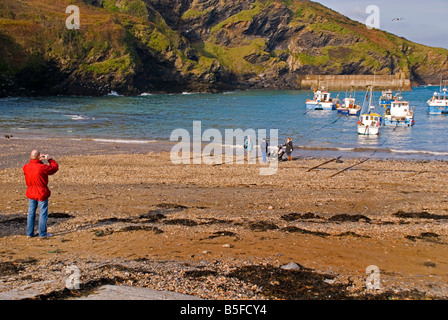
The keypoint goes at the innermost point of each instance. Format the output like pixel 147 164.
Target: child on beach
pixel 289 148
pixel 249 146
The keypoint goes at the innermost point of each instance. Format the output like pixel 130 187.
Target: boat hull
pixel 368 130
pixel 354 112
pixel 438 109
pixel 320 106
pixel 343 111
pixel 409 122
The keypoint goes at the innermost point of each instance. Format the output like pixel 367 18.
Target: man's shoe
pixel 49 235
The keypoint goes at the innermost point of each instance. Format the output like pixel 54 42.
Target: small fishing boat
pixel 438 104
pixel 386 99
pixel 349 107
pixel 354 110
pixel 399 114
pixel 321 101
pixel 370 122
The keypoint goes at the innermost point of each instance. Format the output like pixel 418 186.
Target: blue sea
pixel 149 118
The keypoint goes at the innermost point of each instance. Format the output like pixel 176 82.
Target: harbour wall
pixel 355 82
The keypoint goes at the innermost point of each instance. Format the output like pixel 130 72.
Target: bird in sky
pixel 398 19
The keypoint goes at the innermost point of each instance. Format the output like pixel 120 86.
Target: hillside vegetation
pixel 135 46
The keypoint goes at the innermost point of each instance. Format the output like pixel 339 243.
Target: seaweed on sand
pixel 303 284
pixel 349 218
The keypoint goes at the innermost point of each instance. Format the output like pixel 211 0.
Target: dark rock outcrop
pixel 135 46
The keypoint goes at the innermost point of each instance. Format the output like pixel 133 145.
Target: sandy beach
pixel 125 214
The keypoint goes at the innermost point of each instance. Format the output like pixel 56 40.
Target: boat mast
pixel 401 83
pixel 371 92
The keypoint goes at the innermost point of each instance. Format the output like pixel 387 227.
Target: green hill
pixel 135 46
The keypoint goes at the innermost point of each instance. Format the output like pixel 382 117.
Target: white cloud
pixel 357 13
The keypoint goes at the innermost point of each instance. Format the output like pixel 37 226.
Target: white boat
pixel 321 101
pixel 354 110
pixel 349 107
pixel 399 114
pixel 438 104
pixel 370 122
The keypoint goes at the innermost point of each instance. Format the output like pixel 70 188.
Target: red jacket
pixel 36 177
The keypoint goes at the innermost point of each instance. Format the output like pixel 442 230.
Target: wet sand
pixel 124 213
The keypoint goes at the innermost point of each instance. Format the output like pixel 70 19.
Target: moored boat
pixel 399 114
pixel 321 101
pixel 354 109
pixel 349 107
pixel 386 98
pixel 370 122
pixel 438 104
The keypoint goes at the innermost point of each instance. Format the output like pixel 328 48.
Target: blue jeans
pixel 43 217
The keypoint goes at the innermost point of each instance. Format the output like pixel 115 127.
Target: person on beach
pixel 264 149
pixel 249 146
pixel 37 192
pixel 288 148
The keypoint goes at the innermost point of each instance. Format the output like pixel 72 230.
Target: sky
pixel 424 22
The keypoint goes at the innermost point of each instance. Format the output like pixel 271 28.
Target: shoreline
pixel 213 91
pixel 65 146
pixel 133 218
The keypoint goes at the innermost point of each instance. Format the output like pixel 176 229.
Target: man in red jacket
pixel 36 177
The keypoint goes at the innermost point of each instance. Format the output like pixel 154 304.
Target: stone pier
pixel 355 82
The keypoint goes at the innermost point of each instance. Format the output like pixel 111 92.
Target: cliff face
pixel 135 46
